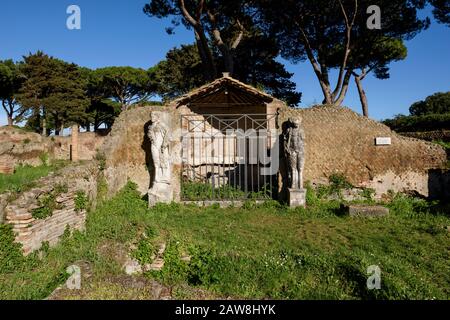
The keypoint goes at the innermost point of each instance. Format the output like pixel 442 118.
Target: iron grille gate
pixel 228 156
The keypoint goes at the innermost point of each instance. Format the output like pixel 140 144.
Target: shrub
pixel 368 194
pixel 339 182
pixel 101 159
pixel 311 195
pixel 145 251
pixel 44 158
pixel 427 122
pixel 61 188
pixel 196 191
pixel 81 201
pixel 204 268
pixel 102 188
pixel 47 204
pixel 175 270
pixel 11 257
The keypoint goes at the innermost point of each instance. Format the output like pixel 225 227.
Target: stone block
pixel 366 211
pixel 160 193
pixel 297 198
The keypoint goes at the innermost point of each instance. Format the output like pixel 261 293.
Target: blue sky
pixel 119 33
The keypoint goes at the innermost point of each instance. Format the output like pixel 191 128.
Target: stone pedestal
pixel 160 193
pixel 297 197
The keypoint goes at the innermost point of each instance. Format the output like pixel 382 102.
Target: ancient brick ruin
pixel 337 141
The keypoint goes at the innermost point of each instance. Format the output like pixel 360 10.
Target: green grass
pixel 24 176
pixel 259 251
pixel 195 191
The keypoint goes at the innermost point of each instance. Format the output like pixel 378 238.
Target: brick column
pixel 74 145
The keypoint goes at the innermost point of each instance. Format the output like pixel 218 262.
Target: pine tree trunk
pixel 9 112
pixel 56 120
pixel 61 129
pixel 44 127
pixel 209 69
pixel 362 97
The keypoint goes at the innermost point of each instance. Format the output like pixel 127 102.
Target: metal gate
pixel 228 156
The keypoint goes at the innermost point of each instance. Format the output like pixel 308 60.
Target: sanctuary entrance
pixel 230 148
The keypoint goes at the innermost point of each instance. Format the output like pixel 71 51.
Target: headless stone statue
pixel 294 146
pixel 158 133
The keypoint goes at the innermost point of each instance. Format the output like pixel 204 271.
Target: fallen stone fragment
pixel 132 266
pixel 366 211
pixel 186 258
pixel 157 265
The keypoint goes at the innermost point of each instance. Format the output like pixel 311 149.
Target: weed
pixel 47 204
pixel 44 158
pixel 61 188
pixel 81 201
pixel 23 178
pixel 195 191
pixel 368 193
pixel 101 159
pixel 11 258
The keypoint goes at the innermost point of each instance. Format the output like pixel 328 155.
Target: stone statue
pixel 159 135
pixel 294 148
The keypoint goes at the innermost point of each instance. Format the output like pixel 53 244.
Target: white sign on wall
pixel 383 141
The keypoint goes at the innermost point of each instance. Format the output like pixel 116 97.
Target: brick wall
pixel 339 140
pixel 31 232
pixel 88 144
pixel 19 147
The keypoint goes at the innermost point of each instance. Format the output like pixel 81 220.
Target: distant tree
pixel 376 60
pixel 37 69
pixel 53 93
pixel 179 73
pixel 431 114
pixel 126 85
pixel 441 11
pixel 67 100
pixel 428 122
pixel 11 80
pixel 438 103
pixel 315 30
pixel 255 61
pixel 103 112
